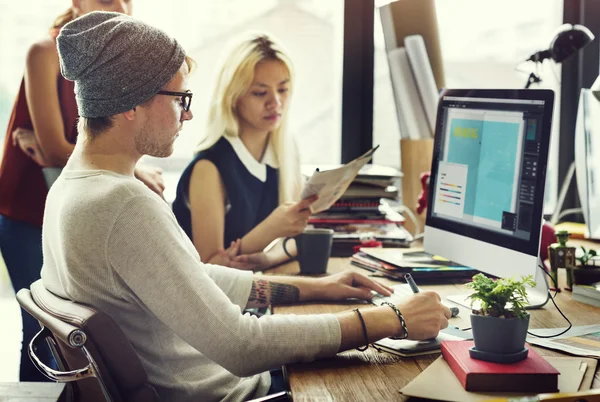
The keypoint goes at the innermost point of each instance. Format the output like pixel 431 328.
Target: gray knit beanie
pixel 116 61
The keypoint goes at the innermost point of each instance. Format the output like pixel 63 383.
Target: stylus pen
pixel 411 282
pixel 413 286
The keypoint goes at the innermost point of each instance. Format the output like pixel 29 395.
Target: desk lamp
pixel 568 40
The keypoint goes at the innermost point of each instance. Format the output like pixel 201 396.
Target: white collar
pixel 256 168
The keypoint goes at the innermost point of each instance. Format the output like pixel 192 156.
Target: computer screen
pixel 487 179
pixel 587 160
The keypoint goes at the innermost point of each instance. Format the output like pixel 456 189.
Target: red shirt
pixel 23 190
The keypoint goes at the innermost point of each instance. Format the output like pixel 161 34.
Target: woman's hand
pixel 231 257
pixel 152 177
pixel 290 218
pixel 26 140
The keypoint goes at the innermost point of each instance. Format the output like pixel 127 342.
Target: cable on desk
pixel 555 305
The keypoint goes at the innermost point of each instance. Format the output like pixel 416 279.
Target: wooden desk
pixel 31 391
pixel 379 376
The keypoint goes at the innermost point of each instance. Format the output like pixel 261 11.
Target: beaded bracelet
pixel 364 327
pixel 401 318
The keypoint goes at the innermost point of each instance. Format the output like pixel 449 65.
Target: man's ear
pixel 130 114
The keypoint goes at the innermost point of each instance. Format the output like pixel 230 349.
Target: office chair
pixel 93 354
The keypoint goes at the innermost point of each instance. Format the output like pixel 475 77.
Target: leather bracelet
pixel 401 318
pixel 364 327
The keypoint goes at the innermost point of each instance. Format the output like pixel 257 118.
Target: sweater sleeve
pixel 236 284
pixel 146 250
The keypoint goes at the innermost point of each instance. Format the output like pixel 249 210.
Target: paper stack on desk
pixel 395 263
pixel 355 201
pixel 579 340
pixel 576 374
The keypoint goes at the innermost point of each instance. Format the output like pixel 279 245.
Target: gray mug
pixel 314 248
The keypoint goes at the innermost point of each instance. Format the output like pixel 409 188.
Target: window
pixel 19 27
pixel 482 44
pixel 386 132
pixel 312 30
pixel 486 51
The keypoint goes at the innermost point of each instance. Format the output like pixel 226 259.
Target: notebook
pixel 576 374
pixel 394 263
pixel 408 348
pixel 533 374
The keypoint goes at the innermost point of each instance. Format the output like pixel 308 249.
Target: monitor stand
pixel 537 296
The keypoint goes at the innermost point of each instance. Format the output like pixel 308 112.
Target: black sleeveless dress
pixel 251 194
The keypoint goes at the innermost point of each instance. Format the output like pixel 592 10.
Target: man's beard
pixel 148 144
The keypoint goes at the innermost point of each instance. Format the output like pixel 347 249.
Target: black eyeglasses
pixel 186 98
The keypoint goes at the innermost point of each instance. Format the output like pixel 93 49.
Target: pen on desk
pixel 413 286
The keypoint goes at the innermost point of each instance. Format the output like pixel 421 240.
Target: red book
pixel 534 374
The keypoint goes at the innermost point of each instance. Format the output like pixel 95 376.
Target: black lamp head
pixel 569 39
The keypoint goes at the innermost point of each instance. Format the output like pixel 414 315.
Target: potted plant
pixel 587 256
pixel 500 322
pixel 588 272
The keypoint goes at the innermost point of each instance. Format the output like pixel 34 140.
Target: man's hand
pixel 152 177
pixel 348 285
pixel 26 140
pixel 424 315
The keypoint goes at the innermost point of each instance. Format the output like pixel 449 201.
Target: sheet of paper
pixel 423 74
pixel 331 184
pixel 581 340
pixel 448 388
pixel 589 375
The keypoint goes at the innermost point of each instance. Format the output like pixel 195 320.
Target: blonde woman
pixel 238 193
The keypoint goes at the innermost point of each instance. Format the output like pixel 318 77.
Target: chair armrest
pixel 59 328
pixel 56 375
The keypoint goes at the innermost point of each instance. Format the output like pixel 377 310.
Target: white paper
pixel 411 115
pixel 423 74
pixel 581 341
pixel 330 185
pixel 449 388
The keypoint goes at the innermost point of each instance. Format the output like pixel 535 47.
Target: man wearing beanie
pixel 111 243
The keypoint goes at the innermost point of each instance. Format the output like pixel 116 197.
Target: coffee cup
pixel 314 249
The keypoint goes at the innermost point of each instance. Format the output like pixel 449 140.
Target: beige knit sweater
pixel 111 243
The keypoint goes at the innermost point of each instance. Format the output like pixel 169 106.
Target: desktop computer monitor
pixel 587 160
pixel 486 188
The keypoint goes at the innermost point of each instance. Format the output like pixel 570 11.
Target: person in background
pixel 238 194
pixel 41 133
pixel 115 245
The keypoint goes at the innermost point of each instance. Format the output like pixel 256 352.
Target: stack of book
pixel 589 294
pixel 394 264
pixel 534 374
pixel 363 215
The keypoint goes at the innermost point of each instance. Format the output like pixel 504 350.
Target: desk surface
pixel 31 391
pixel 379 376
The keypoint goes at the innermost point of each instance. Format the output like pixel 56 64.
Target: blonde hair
pixel 63 19
pixel 232 82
